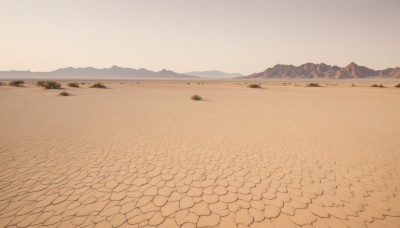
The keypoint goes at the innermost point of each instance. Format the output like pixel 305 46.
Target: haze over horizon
pixel 231 36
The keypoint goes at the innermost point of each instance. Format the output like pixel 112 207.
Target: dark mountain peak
pixel 355 71
pixel 282 65
pixel 310 64
pixel 352 66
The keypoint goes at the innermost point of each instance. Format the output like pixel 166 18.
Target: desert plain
pixel 143 154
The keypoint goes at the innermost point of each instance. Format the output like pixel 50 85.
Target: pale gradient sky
pixel 185 35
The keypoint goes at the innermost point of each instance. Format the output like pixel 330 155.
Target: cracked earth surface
pixel 145 155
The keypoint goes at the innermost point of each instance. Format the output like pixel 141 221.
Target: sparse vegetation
pixel 98 85
pixel 41 83
pixel 1 84
pixel 398 85
pixel 63 93
pixel 254 86
pixel 353 85
pixel 73 84
pixel 52 85
pixel 376 85
pixel 16 83
pixel 313 85
pixel 196 98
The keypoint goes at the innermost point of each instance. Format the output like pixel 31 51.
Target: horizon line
pixel 102 68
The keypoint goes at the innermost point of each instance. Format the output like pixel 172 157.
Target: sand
pixel 146 155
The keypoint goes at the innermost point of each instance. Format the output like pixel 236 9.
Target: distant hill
pixel 114 72
pixel 323 71
pixel 213 74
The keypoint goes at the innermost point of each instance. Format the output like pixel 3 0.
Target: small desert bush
pixel 1 84
pixel 98 85
pixel 254 86
pixel 196 98
pixel 41 83
pixel 398 85
pixel 313 85
pixel 52 85
pixel 380 86
pixel 16 83
pixel 63 93
pixel 73 84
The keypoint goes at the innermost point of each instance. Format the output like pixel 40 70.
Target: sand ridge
pixel 145 155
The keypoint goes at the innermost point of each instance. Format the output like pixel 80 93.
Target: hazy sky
pixel 244 36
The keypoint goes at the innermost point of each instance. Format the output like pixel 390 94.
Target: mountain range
pixel 279 71
pixel 213 74
pixel 323 71
pixel 114 72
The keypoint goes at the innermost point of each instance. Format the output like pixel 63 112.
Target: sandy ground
pixel 147 155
